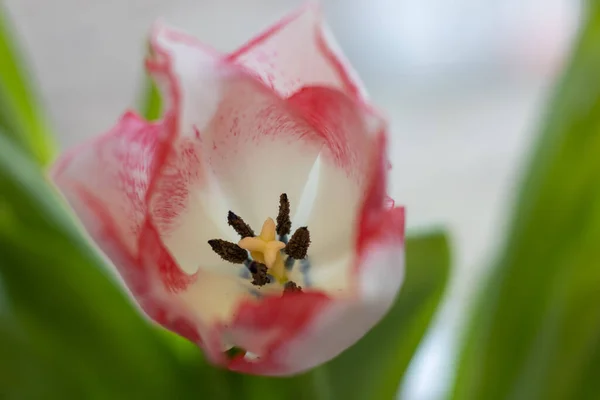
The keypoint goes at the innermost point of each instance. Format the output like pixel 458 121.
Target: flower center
pixel 266 249
pixel 270 251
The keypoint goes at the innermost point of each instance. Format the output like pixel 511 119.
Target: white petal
pixel 183 200
pixel 213 298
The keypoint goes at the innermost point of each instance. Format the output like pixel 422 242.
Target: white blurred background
pixel 462 81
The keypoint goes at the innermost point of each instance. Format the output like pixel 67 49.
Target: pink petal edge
pixel 263 54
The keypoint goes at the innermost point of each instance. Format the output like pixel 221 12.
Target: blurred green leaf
pixel 374 367
pixel 536 332
pixel 66 329
pixel 20 114
pixel 308 386
pixel 150 102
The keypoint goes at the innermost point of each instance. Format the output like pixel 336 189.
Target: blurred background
pixel 462 82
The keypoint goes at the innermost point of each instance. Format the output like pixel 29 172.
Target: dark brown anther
pixel 284 224
pixel 291 287
pixel 238 224
pixel 297 247
pixel 259 273
pixel 228 251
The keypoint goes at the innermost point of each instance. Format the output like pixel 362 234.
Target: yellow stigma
pixel 265 249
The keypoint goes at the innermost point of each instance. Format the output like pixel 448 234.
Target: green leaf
pixel 536 331
pixel 374 367
pixel 312 385
pixel 66 328
pixel 20 114
pixel 150 102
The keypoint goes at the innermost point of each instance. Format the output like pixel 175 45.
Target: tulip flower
pixel 253 218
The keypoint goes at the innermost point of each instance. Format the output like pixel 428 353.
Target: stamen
pixel 297 247
pixel 238 224
pixel 228 251
pixel 291 287
pixel 259 273
pixel 262 255
pixel 284 224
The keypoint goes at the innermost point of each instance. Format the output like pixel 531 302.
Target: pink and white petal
pixel 190 305
pixel 114 169
pixel 299 331
pixel 293 334
pixel 116 176
pixel 258 147
pixel 250 144
pixel 187 211
pixel 188 74
pixel 347 126
pixel 262 328
pixel 106 182
pixel 209 301
pixel 299 51
pixel 185 203
pixel 342 323
pixel 373 219
pixel 377 221
pixel 339 274
pixel 148 271
pixel 389 202
pixel 350 131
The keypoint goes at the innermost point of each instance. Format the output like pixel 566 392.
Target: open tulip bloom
pixel 253 219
